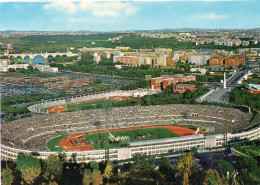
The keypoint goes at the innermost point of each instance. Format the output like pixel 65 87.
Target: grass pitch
pixel 53 144
pixel 99 140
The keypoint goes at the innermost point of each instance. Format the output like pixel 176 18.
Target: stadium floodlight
pixel 225 138
pixel 107 107
pixel 148 79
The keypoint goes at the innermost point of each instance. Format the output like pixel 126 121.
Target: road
pixel 217 95
pixel 236 77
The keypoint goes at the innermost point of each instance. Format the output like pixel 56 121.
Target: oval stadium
pixel 89 133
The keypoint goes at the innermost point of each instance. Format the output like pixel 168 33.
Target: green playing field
pixel 99 140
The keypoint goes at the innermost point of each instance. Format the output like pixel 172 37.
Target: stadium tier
pixel 30 135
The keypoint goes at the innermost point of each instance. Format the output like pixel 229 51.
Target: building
pixel 57 86
pixel 42 68
pixel 161 58
pixel 216 61
pixel 35 79
pixel 253 88
pixel 198 59
pixel 161 82
pixel 67 84
pixel 122 48
pixel 46 68
pixel 162 50
pixel 235 60
pixel 187 54
pixel 181 88
pixel 17 80
pixel 9 46
pixel 5 61
pixel 201 70
pixel 81 81
pixel 4 67
pixel 50 79
pixel 155 147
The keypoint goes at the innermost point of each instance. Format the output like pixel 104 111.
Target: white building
pixel 201 70
pixel 198 59
pixel 4 68
pixel 146 147
pixel 46 68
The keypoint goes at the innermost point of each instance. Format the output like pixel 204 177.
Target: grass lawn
pixel 53 144
pixel 95 104
pixel 253 151
pixel 98 140
pixel 86 105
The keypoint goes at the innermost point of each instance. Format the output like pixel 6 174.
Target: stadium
pixel 31 135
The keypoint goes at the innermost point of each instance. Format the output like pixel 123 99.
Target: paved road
pixel 23 104
pixel 217 95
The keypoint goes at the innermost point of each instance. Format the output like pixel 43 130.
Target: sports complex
pixel 126 131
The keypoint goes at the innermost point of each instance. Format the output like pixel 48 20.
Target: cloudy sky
pixel 46 15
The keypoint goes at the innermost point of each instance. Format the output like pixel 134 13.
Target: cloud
pixel 68 7
pixel 96 9
pixel 16 6
pixel 79 20
pixel 211 16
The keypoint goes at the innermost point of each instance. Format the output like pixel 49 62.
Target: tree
pixel 62 156
pixel 98 81
pixel 74 157
pixel 29 166
pixel 164 166
pixel 54 165
pixel 109 170
pixel 94 165
pixel 212 178
pixel 168 89
pixel 53 183
pixel 7 176
pixel 224 167
pixel 185 165
pixel 30 69
pixel 143 161
pixel 194 150
pixel 11 70
pixel 97 177
pixel 87 177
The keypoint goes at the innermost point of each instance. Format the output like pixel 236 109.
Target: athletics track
pixel 66 143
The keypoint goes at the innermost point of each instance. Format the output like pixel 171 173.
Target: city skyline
pixel 128 15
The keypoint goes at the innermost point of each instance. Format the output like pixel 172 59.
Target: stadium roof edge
pixel 165 140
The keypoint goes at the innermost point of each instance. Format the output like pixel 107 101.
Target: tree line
pixel 141 170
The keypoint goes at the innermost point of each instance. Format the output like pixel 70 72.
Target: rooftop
pixel 165 140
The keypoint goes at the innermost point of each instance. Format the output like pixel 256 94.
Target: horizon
pixel 120 16
pixel 141 30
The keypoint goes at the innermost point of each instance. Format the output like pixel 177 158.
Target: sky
pixel 60 15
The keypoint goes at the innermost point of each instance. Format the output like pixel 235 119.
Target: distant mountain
pixel 144 30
